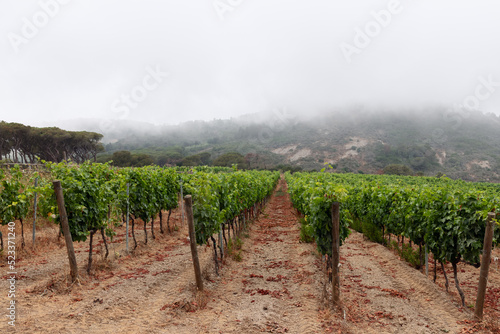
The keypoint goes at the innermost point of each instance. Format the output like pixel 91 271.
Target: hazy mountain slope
pixel 459 144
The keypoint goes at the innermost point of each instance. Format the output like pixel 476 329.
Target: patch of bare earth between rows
pixel 275 284
pixel 381 294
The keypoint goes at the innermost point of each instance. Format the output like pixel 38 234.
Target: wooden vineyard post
pixel 485 267
pixel 34 212
pixel 65 227
pixel 192 239
pixel 335 252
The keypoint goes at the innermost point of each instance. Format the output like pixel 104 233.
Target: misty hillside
pixel 461 145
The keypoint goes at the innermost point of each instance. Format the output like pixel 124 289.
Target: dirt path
pixel 273 284
pixel 276 288
pixel 384 295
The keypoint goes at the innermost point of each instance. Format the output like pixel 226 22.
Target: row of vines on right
pixel 444 216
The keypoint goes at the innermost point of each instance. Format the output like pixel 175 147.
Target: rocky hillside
pixel 460 144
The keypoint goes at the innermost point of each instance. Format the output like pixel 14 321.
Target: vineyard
pixel 444 216
pixel 96 195
pixel 440 219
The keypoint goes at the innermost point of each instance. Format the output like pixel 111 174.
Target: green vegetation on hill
pixel 427 142
pixel 459 144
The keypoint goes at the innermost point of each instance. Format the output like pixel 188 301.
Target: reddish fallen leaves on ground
pixel 161 272
pixel 392 292
pixel 275 294
pixel 138 273
pixel 278 278
pixel 255 276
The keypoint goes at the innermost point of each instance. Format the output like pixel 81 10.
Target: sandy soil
pixel 384 295
pixel 276 288
pixel 273 284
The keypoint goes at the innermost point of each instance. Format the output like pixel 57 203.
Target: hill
pixel 460 144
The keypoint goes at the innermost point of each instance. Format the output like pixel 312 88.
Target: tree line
pixel 25 144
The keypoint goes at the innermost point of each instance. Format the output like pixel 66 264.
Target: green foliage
pixel 161 156
pixel 234 249
pixel 449 216
pixel 419 157
pixel 357 225
pixel 200 159
pixel 126 159
pixel 204 189
pixel 405 135
pixel 397 169
pixel 237 257
pixel 288 168
pixel 229 159
pixel 313 195
pixel 410 256
pixel 306 231
pixel 152 189
pixel 234 245
pixel 16 194
pixel 220 197
pixel 90 190
pixel 88 193
pixel 372 232
pixel 93 192
pixel 407 253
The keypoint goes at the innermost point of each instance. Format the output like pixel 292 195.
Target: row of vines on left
pixel 95 195
pixel 98 197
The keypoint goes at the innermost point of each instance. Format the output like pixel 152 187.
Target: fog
pixel 171 61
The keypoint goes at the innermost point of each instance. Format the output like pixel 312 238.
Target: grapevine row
pixel 447 216
pixel 96 195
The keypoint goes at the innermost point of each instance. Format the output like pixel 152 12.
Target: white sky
pixel 264 54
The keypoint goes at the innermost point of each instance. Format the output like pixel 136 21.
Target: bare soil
pixel 273 284
pixel 382 294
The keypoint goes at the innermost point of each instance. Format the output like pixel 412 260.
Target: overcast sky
pixel 168 61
